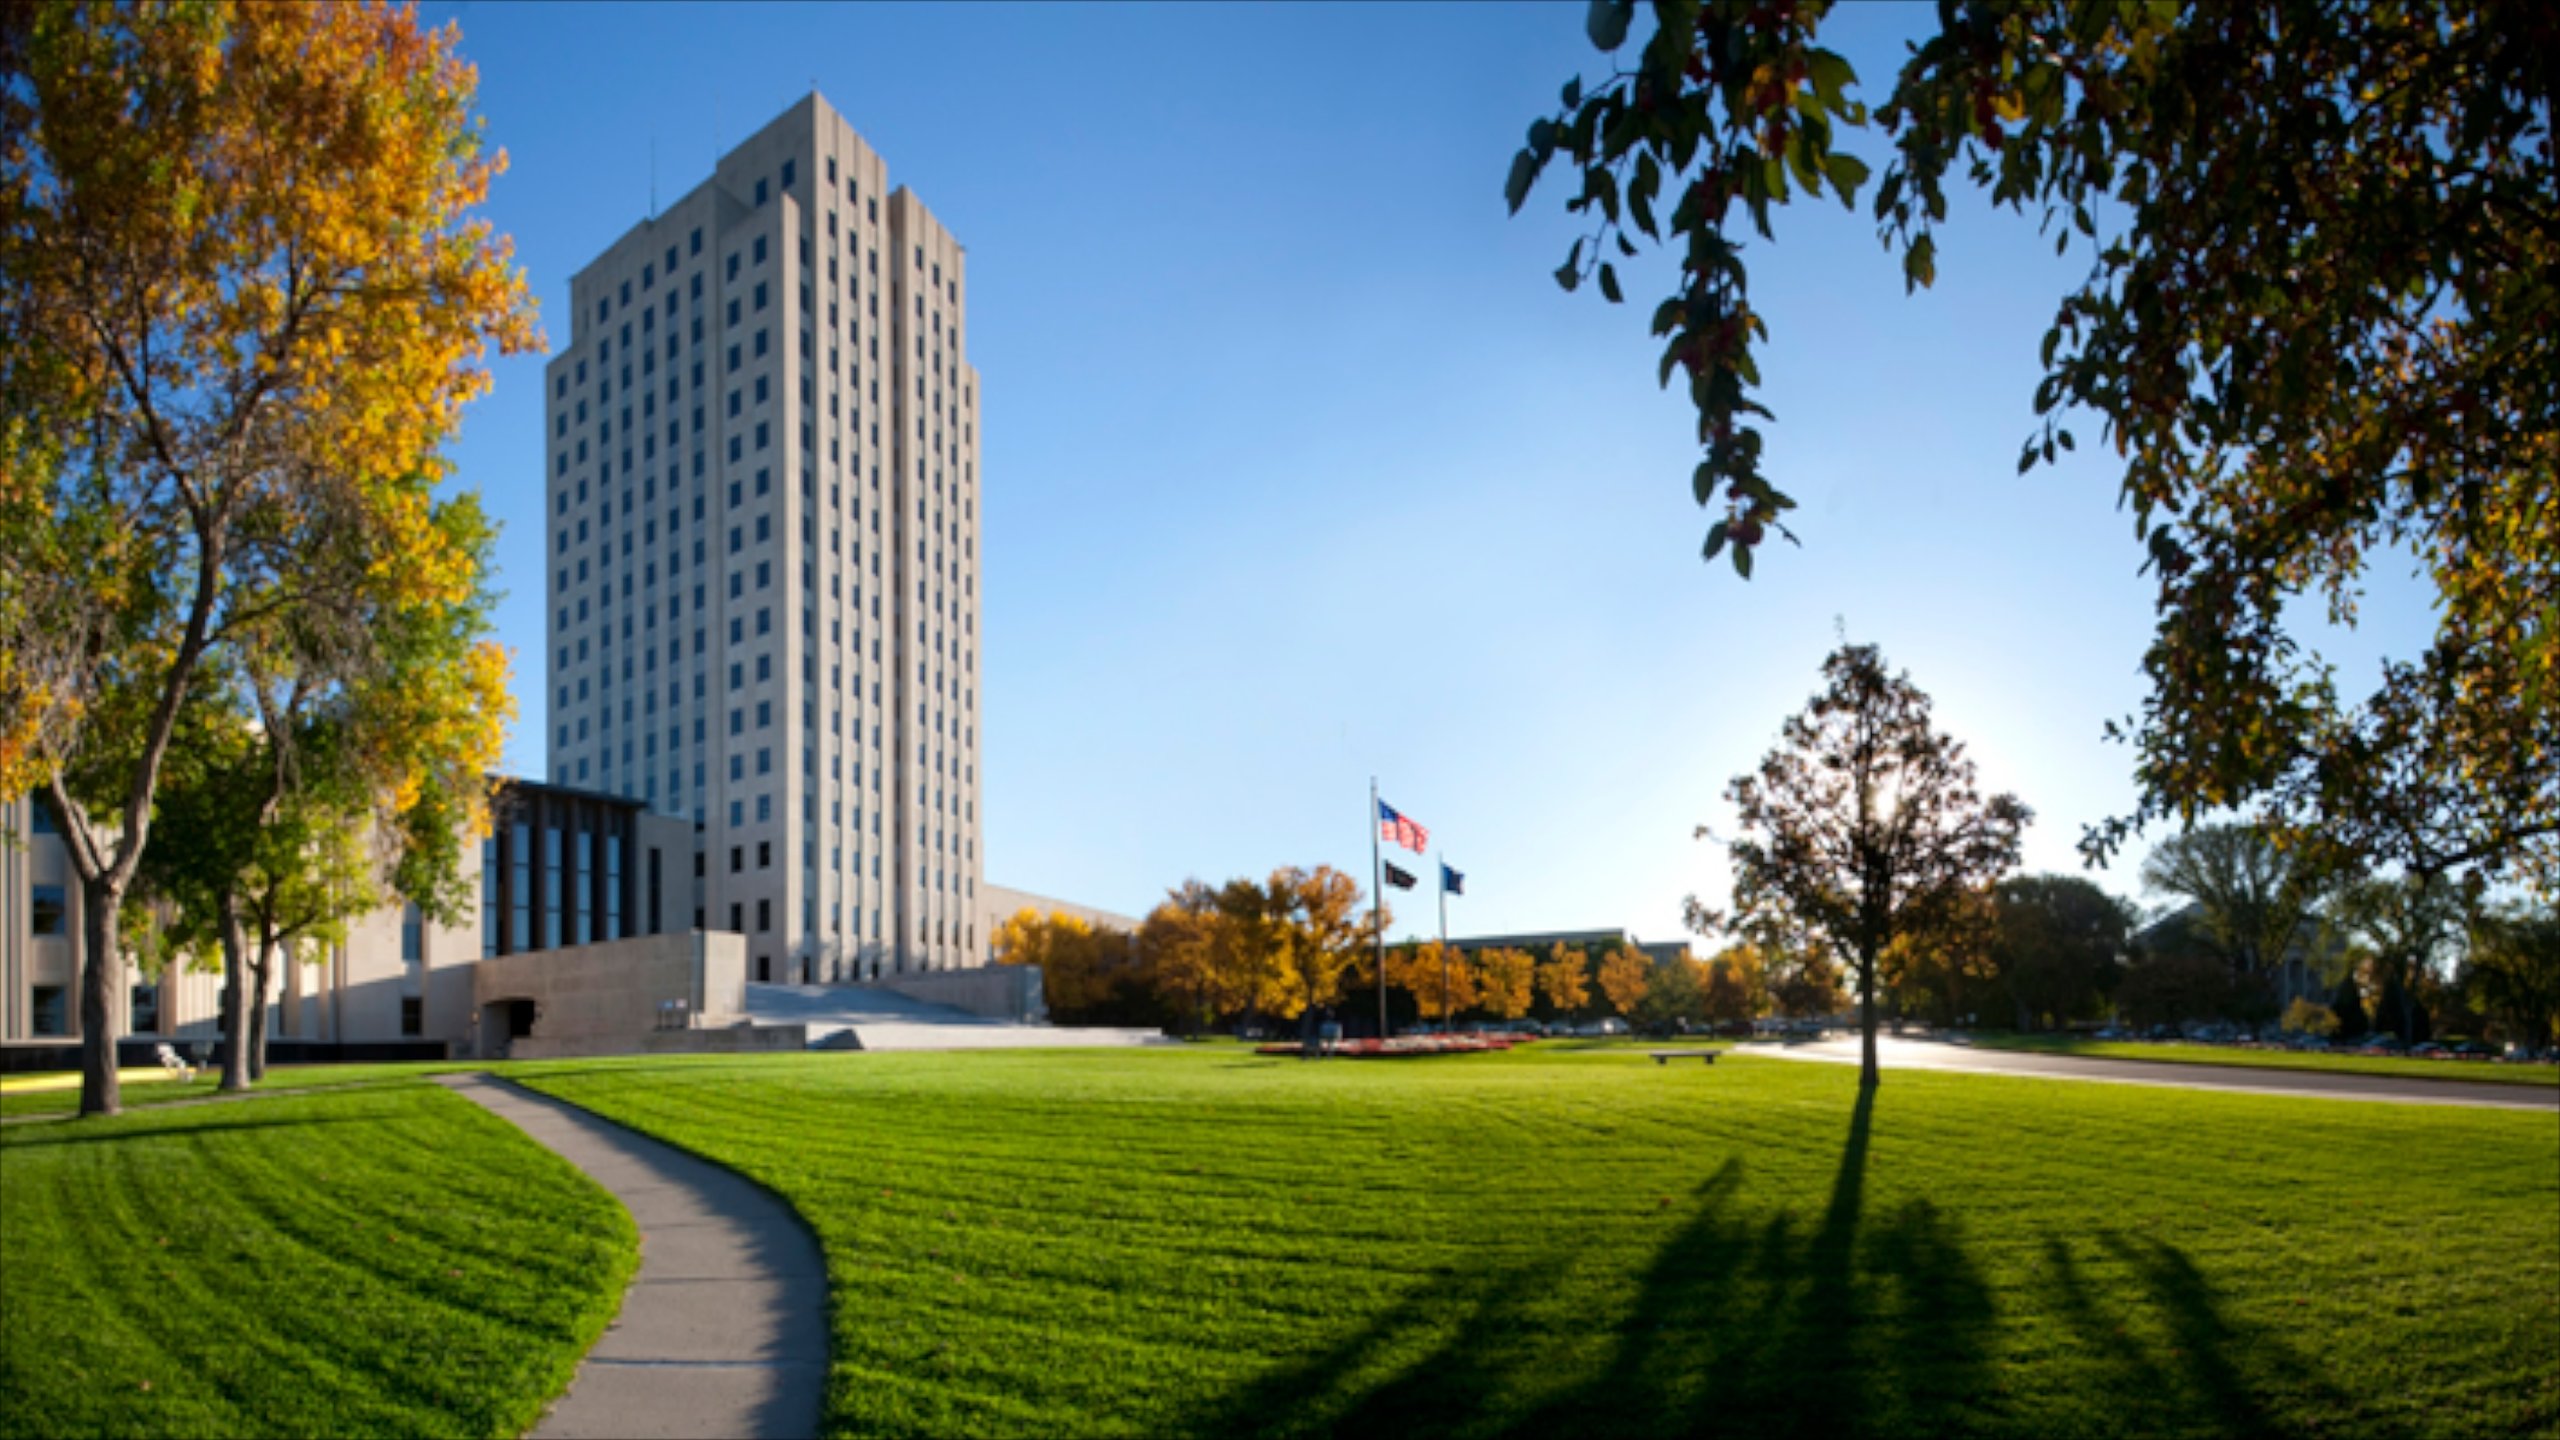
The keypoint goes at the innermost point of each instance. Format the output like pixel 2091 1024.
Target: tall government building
pixel 762 460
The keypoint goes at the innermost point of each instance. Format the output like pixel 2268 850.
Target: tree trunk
pixel 258 1010
pixel 101 976
pixel 235 1000
pixel 1867 1074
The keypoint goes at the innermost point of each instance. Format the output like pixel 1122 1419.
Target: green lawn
pixel 2179 1053
pixel 1573 1241
pixel 63 1100
pixel 388 1260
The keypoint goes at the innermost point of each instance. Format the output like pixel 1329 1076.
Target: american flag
pixel 1404 832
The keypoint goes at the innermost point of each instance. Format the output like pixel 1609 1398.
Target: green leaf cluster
pixel 2320 328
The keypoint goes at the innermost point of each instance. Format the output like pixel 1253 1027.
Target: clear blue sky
pixel 1299 468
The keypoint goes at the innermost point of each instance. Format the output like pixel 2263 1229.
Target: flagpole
pixel 1444 944
pixel 1378 906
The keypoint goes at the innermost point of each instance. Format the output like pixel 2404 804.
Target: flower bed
pixel 1405 1046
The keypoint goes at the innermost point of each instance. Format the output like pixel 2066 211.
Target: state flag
pixel 1451 881
pixel 1398 878
pixel 1396 828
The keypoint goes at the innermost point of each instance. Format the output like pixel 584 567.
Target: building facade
pixel 763 491
pixel 560 870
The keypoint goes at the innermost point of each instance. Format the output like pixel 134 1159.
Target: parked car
pixel 2429 1050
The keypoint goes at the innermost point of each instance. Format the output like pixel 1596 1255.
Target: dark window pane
pixel 47 909
pixel 521 911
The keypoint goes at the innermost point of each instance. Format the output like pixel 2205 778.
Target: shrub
pixel 2310 1017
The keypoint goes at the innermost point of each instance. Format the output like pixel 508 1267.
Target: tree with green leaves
pixel 2397 1010
pixel 337 763
pixel 242 304
pixel 1944 973
pixel 2321 325
pixel 1864 825
pixel 2258 901
pixel 359 741
pixel 2513 972
pixel 211 788
pixel 2413 926
pixel 1674 995
pixel 1798 972
pixel 2057 942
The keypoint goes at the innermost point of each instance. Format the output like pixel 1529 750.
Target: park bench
pixel 1665 1057
pixel 172 1060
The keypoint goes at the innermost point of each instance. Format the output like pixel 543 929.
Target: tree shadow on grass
pixel 2205 1370
pixel 1743 1322
pixel 51 1136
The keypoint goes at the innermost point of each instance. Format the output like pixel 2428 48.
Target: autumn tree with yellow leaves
pixel 1438 977
pixel 1192 956
pixel 242 304
pixel 1733 985
pixel 1089 973
pixel 1321 933
pixel 1505 981
pixel 1564 980
pixel 1626 973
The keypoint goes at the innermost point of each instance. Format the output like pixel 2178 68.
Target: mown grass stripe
pixel 228 1270
pixel 1149 1243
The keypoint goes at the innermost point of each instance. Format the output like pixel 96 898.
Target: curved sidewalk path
pixel 724 1329
pixel 1903 1054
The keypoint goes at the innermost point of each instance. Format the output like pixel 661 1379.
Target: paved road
pixel 1893 1054
pixel 724 1330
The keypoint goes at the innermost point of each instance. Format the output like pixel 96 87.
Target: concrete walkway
pixel 724 1330
pixel 1904 1054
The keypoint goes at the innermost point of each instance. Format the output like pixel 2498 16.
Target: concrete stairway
pixel 857 1017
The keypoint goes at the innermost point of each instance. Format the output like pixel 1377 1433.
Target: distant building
pixel 1597 942
pixel 2311 951
pixel 1004 902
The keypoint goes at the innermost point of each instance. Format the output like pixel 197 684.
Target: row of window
pixel 49 1011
